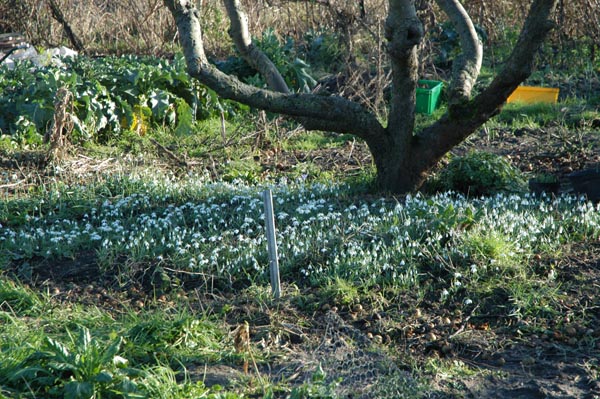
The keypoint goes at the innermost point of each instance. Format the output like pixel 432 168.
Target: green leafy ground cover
pixel 147 252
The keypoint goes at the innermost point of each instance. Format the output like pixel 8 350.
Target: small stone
pixel 357 308
pixel 501 361
pixel 430 336
pixel 571 331
pixel 378 339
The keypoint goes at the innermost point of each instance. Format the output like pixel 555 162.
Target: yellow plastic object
pixel 534 94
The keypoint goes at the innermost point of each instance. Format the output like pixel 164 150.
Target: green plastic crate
pixel 428 96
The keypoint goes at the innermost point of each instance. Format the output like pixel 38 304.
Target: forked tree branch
pixel 467 65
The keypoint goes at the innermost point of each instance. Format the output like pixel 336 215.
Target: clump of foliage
pixel 111 95
pixel 84 368
pixel 285 56
pixel 481 173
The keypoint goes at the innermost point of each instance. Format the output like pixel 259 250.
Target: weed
pixel 18 300
pixel 340 292
pixel 481 173
pixel 83 368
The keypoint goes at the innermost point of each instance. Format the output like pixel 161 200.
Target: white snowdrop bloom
pixel 468 301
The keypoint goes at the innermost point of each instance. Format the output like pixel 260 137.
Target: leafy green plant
pixel 324 50
pixel 481 173
pixel 317 387
pixel 83 368
pixel 111 95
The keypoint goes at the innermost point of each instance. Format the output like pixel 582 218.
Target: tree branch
pixel 249 52
pixel 467 65
pixel 58 15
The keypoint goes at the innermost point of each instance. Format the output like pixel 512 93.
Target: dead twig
pixel 179 161
pixel 11 185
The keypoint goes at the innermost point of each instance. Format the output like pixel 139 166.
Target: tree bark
pixel 467 65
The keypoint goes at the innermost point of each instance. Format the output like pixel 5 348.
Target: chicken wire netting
pixel 357 368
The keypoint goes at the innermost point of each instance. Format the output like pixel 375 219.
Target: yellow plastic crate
pixel 534 94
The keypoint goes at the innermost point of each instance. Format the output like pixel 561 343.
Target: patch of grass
pixel 173 338
pixel 340 292
pixel 530 116
pixel 18 301
pixel 493 247
pixel 309 141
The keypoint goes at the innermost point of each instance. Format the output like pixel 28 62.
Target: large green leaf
pixel 78 390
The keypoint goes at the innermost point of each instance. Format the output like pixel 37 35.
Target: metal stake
pixel 272 243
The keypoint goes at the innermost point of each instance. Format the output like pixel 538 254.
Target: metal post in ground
pixel 272 243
